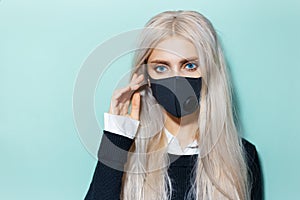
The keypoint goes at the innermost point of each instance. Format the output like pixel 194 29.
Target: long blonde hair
pixel 221 170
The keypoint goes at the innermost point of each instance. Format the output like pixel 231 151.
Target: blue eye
pixel 191 66
pixel 160 68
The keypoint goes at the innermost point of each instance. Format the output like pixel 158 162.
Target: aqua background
pixel 44 43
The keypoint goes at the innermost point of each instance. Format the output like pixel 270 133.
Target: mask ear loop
pixel 147 75
pixel 149 84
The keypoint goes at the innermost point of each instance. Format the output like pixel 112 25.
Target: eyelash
pixel 158 66
pixel 193 69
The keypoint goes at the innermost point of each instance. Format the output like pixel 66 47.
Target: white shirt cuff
pixel 121 125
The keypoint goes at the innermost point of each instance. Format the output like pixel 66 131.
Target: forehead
pixel 174 48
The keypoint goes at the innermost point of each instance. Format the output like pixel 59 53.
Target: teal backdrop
pixel 44 43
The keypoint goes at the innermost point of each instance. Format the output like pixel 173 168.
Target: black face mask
pixel 178 95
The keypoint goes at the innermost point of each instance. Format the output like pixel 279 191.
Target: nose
pixel 177 71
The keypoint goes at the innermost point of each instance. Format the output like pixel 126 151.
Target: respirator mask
pixel 178 95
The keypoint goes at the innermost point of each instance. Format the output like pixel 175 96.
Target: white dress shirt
pixel 127 127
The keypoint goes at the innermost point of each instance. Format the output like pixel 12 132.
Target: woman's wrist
pixel 121 125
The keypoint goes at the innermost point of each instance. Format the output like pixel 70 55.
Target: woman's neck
pixel 184 128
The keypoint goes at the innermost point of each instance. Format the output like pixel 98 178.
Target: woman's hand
pixel 120 100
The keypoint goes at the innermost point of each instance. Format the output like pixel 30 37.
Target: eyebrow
pixel 180 62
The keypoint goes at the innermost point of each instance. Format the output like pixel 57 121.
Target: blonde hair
pixel 221 170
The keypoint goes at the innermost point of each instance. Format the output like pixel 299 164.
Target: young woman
pixel 170 134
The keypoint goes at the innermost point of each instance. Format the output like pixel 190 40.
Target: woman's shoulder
pixel 254 169
pixel 249 147
pixel 250 153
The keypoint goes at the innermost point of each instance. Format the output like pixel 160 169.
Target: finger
pixel 135 106
pixel 133 77
pixel 124 108
pixel 121 97
pixel 135 84
pixel 119 93
pixel 119 108
pixel 139 78
pixel 116 100
pixel 113 109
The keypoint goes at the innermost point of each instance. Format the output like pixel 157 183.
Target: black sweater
pixel 107 180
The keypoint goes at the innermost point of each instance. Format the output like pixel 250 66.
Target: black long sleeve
pixel 254 170
pixel 107 179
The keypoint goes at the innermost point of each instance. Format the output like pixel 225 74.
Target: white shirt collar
pixel 175 148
